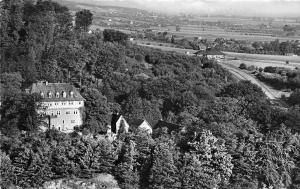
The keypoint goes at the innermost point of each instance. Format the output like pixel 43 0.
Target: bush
pixel 139 58
pixel 270 69
pixel 251 68
pixel 243 66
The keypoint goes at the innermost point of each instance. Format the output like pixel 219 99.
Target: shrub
pixel 243 66
pixel 139 58
pixel 251 68
pixel 270 69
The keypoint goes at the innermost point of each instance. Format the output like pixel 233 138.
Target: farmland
pixel 213 32
pixel 258 60
pixel 132 20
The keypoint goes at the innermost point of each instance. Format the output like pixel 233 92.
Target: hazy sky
pixel 235 7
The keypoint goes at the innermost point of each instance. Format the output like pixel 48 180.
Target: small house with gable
pixel 139 125
pixel 127 125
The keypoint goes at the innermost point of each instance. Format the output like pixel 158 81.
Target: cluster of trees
pixel 232 136
pixel 280 78
pixel 234 141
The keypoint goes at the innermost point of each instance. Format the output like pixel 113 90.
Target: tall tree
pixel 164 173
pixel 83 20
pixel 126 168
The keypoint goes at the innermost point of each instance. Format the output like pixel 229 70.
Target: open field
pixel 213 32
pixel 259 60
pixel 294 59
pixel 261 63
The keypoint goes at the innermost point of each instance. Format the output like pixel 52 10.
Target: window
pixel 70 103
pixel 58 113
pixel 71 94
pixel 63 103
pixel 75 112
pixel 57 94
pixel 68 112
pixel 72 121
pixel 56 103
pixel 79 102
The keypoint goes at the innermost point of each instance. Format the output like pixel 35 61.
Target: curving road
pixel 240 75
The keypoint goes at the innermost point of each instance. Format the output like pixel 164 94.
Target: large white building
pixel 63 105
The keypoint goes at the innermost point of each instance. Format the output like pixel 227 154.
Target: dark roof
pixel 114 119
pixel 209 52
pixel 171 126
pixel 134 123
pixel 60 88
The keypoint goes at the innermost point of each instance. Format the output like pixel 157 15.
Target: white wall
pixel 146 127
pixel 63 104
pixel 118 124
pixel 64 115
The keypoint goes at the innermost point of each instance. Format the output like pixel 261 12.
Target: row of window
pixel 57 94
pixel 63 103
pixel 67 112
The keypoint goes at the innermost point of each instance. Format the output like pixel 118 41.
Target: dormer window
pixel 64 94
pixel 71 94
pixel 57 94
pixel 50 94
pixel 42 95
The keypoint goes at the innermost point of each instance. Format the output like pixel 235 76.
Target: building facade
pixel 62 105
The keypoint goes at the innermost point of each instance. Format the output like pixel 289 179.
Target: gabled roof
pixel 113 122
pixel 135 123
pixel 114 119
pixel 56 88
pixel 170 126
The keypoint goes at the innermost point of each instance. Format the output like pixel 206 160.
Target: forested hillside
pixel 232 136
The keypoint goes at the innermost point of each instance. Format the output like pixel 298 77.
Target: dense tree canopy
pixel 83 19
pixel 230 135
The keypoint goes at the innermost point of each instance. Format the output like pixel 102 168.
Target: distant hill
pixel 73 4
